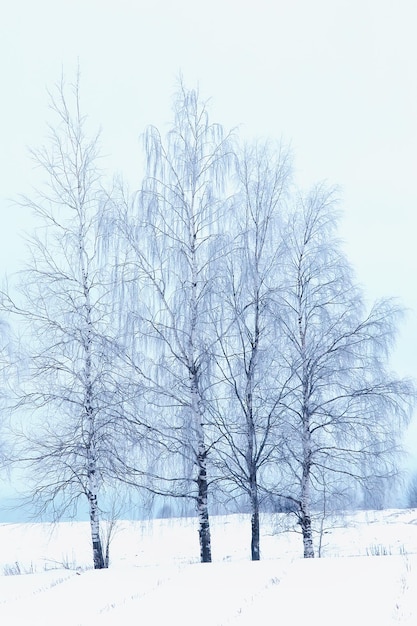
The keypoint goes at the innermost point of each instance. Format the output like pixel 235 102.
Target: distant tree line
pixel 202 339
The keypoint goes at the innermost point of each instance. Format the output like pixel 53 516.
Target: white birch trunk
pixel 251 439
pixel 201 460
pixel 94 514
pixel 305 500
pixel 90 414
pixel 305 513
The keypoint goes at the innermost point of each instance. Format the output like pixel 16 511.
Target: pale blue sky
pixel 337 79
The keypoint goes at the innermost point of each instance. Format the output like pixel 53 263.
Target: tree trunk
pixel 95 531
pixel 251 434
pixel 305 521
pixel 107 557
pixel 255 541
pixel 202 507
pixel 202 484
pixel 90 413
pixel 305 516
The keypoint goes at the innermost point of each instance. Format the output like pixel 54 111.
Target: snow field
pixel 155 577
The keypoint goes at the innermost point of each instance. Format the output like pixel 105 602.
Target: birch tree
pixel 343 409
pixel 68 389
pixel 248 415
pixel 174 238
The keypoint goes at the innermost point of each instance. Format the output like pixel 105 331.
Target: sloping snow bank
pixel 345 591
pixel 154 578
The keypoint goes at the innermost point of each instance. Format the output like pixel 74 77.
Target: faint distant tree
pixel 248 411
pixel 412 491
pixel 68 390
pixel 6 356
pixel 343 409
pixel 173 238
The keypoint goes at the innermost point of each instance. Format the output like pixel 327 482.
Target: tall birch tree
pixel 174 238
pixel 248 415
pixel 343 409
pixel 68 386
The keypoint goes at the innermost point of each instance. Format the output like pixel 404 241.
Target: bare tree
pixel 173 240
pixel 68 383
pixel 6 359
pixel 343 409
pixel 248 413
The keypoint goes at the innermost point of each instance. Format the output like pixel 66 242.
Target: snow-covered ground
pixel 367 576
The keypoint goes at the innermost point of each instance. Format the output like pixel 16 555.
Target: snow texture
pixel 368 574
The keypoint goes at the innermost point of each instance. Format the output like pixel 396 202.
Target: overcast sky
pixel 337 79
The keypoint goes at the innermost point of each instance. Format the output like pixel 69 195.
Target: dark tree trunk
pixel 305 516
pixel 98 558
pixel 307 538
pixel 107 557
pixel 305 522
pixel 98 555
pixel 255 541
pixel 202 507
